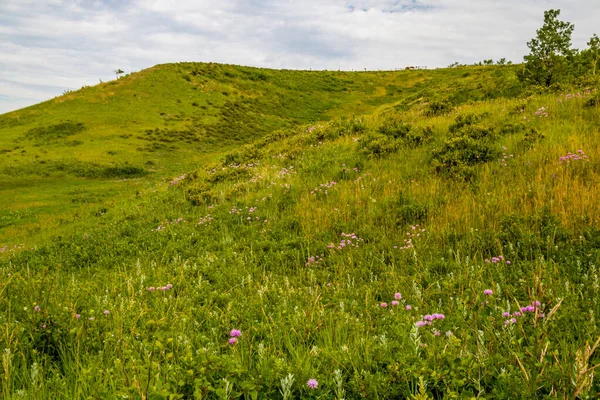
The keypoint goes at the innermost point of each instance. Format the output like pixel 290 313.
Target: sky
pixel 50 46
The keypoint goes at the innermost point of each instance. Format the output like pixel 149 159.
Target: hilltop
pixel 72 154
pixel 413 234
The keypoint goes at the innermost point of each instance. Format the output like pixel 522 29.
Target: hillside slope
pixel 445 247
pixel 79 152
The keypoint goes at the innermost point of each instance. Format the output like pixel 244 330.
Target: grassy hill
pixel 441 238
pixel 71 155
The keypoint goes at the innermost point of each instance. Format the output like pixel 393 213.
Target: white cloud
pixel 47 46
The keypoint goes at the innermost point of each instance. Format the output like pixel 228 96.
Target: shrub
pixel 531 137
pixel 458 154
pixel 508 128
pixel 378 145
pixel 394 127
pixel 57 131
pixel 463 120
pixel 419 135
pixel 438 108
pixel 593 101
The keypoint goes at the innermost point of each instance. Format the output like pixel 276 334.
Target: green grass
pixel 299 236
pixel 167 120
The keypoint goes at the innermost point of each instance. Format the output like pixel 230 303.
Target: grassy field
pixel 434 236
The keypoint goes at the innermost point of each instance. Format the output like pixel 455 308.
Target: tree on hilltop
pixel 119 72
pixel 550 49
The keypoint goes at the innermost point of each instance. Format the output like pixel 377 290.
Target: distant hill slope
pixel 88 146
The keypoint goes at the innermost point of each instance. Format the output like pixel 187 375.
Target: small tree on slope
pixel 549 50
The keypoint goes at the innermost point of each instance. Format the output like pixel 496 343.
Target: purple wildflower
pixel 383 305
pixel 506 314
pixel 395 303
pixel 232 341
pixel 397 296
pixel 408 307
pixel 76 316
pixel 151 289
pixel 36 308
pixel 420 323
pixel 488 292
pixel 235 333
pixel 106 312
pixel 312 383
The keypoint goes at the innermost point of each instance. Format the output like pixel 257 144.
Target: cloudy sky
pixel 48 46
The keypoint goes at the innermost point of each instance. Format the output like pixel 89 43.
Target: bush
pixel 378 145
pixel 531 137
pixel 593 101
pixel 57 131
pixel 458 154
pixel 463 120
pixel 394 127
pixel 438 108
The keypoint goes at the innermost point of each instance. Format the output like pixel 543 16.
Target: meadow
pixel 410 234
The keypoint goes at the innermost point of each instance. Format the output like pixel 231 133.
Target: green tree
pixel 550 50
pixel 119 72
pixel 593 52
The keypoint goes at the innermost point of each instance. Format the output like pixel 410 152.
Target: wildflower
pixel 235 333
pixel 437 333
pixel 151 289
pixel 91 318
pixel 438 316
pixel 312 383
pixel 536 304
pixel 513 320
pixel 506 314
pixel 428 318
pixel 37 308
pixel 408 307
pixel 106 312
pixel 508 262
pixel 395 303
pixel 420 323
pixel 232 341
pixel 169 286
pixel 383 305
pixel 77 316
pixel 488 292
pixel 506 322
pixel 397 296
pixel 517 314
